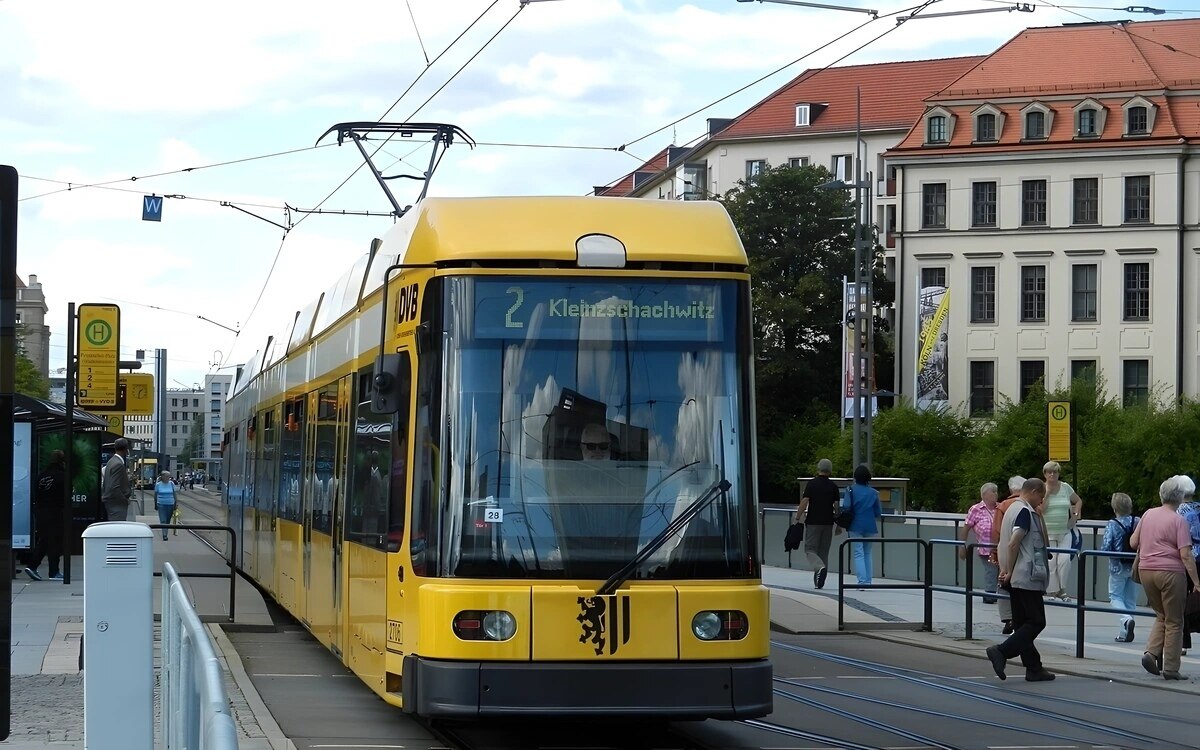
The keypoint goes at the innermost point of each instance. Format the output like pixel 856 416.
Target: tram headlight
pixel 499 626
pixel 706 625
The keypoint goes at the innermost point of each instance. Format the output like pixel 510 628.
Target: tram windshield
pixel 584 415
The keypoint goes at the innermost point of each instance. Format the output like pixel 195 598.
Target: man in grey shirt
pixel 114 487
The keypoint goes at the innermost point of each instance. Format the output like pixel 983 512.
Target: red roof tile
pixel 891 98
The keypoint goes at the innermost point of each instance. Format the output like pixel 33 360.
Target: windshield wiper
pixel 676 525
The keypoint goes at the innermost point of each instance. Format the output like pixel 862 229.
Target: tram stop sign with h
pixel 1058 431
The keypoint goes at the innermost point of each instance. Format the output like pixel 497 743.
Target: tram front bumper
pixel 721 690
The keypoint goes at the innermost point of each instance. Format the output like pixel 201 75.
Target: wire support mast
pixel 443 137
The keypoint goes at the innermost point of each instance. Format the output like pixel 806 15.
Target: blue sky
pixel 95 92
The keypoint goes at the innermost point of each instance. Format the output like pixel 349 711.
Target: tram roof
pixel 547 228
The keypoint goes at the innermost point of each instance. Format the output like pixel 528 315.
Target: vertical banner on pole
pixel 933 361
pixel 853 305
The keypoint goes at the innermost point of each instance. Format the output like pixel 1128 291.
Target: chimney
pixel 33 282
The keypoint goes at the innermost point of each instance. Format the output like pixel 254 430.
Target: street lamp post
pixel 863 294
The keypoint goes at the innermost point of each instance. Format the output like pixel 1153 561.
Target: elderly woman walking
pixel 1060 511
pixel 1165 564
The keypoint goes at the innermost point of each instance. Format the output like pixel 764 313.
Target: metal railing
pixel 195 712
pixel 229 559
pixel 925 555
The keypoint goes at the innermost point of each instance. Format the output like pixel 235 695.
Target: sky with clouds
pixel 102 92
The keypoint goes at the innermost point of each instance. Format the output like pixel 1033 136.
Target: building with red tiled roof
pixel 1048 207
pixel 809 120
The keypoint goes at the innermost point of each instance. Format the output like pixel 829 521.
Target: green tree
pixel 27 379
pixel 799 249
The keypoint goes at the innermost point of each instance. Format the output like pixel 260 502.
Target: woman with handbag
pixel 1164 564
pixel 862 501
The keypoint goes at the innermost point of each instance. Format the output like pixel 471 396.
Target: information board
pixel 98 337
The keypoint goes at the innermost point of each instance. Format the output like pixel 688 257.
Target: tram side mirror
pixel 386 393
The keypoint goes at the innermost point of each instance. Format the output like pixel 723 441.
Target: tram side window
pixel 426 492
pixel 326 454
pixel 374 466
pixel 291 460
pixel 268 441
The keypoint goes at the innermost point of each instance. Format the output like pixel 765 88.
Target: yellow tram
pixel 525 484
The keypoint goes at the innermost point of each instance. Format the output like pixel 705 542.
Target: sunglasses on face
pixel 595 446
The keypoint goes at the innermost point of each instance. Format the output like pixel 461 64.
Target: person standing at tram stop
pixel 1165 565
pixel 595 444
pixel 1024 573
pixel 164 500
pixel 1004 606
pixel 979 521
pixel 817 510
pixel 1062 510
pixel 1122 590
pixel 863 499
pixel 48 518
pixel 114 486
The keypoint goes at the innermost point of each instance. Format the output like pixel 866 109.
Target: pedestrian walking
pixel 48 518
pixel 817 510
pixel 1122 589
pixel 1004 606
pixel 1024 572
pixel 863 500
pixel 114 487
pixel 1190 511
pixel 1061 510
pixel 164 500
pixel 979 522
pixel 1165 565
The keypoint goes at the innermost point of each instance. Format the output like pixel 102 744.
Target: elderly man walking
pixel 817 509
pixel 114 487
pixel 1025 573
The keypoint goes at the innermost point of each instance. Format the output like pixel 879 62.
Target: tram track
pixel 983 693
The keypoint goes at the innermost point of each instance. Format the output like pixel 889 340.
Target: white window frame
pixel 803 115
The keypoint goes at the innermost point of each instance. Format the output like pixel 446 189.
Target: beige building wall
pixel 1112 245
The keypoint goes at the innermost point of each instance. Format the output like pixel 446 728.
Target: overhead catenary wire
pixel 418 31
pixel 914 10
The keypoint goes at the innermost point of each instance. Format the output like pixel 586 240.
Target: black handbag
pixel 845 516
pixel 794 536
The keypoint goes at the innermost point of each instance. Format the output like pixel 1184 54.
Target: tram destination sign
pixel 99 339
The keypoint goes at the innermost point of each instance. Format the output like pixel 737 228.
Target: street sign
pixel 1058 431
pixel 135 396
pixel 99 337
pixel 116 424
pixel 152 206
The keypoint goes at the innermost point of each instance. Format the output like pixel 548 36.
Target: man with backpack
pixel 1122 590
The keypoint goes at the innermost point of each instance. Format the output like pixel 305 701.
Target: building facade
pixel 1047 224
pixel 31 323
pixel 216 388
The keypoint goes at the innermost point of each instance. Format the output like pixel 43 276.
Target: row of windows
pixel 1085 202
pixel 840 165
pixel 1089 122
pixel 1085 307
pixel 195 402
pixel 1135 381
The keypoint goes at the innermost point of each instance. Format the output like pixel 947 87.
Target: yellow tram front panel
pixel 749 604
pixel 439 604
pixel 573 624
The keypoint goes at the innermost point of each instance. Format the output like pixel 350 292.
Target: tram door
pixel 268 497
pixel 249 500
pixel 337 507
pixel 308 491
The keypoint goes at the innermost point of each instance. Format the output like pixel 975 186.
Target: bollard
pixel 118 620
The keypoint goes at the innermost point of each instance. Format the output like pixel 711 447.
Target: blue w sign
pixel 152 207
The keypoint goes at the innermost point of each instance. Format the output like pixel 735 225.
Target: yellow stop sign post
pixel 1059 432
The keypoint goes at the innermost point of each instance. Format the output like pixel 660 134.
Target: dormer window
pixel 802 115
pixel 1035 125
pixel 1087 124
pixel 1137 121
pixel 985 127
pixel 938 129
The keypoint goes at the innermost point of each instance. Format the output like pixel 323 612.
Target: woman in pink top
pixel 1165 563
